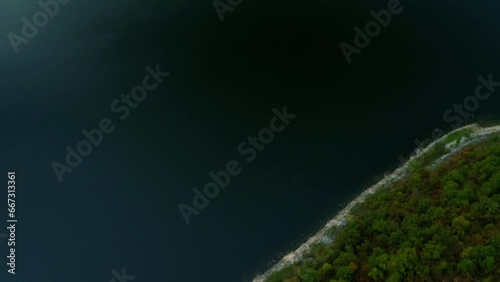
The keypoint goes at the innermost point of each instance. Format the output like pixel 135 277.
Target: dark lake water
pixel 119 207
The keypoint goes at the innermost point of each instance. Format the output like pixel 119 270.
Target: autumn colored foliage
pixel 440 224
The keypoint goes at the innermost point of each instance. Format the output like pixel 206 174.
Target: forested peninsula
pixel 437 218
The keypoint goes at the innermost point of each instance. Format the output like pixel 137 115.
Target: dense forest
pixel 439 223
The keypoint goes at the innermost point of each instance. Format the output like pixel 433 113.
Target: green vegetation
pixel 425 160
pixel 438 150
pixel 457 135
pixel 434 225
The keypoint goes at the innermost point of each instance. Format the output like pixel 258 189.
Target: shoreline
pixel 340 218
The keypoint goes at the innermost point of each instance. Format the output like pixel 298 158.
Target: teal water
pixel 119 207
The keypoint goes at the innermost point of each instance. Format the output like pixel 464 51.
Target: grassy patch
pixel 456 136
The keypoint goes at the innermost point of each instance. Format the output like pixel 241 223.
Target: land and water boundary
pixel 434 153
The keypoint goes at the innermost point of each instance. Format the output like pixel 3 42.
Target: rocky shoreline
pixel 478 134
